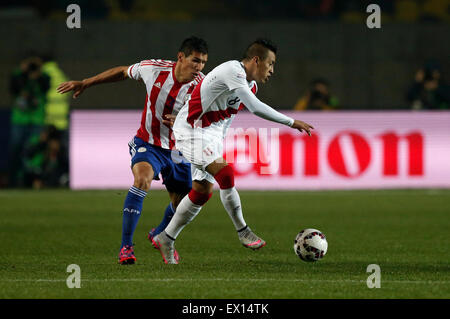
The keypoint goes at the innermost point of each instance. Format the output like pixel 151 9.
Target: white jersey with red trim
pixel 214 103
pixel 165 95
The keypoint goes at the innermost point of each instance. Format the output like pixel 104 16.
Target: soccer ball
pixel 310 245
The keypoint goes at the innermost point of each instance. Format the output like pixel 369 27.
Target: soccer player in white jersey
pixel 200 128
pixel 152 150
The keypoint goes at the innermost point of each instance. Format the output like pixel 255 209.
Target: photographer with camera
pixel 317 97
pixel 28 87
pixel 429 92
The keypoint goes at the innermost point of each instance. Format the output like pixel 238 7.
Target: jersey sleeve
pixel 235 77
pixel 261 109
pixel 134 71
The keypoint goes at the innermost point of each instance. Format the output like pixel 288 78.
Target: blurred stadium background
pixel 364 69
pixel 379 99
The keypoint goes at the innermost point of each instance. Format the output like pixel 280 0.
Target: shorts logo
pixel 141 149
pixel 207 151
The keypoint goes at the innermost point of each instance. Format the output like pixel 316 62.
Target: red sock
pixel 199 198
pixel 225 177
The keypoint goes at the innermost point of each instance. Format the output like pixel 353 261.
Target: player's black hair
pixel 192 44
pixel 260 47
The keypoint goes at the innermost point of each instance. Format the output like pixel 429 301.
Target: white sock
pixel 232 203
pixel 184 214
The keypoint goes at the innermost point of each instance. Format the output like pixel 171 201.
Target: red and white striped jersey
pixel 165 95
pixel 214 103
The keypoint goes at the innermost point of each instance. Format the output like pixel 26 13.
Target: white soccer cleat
pixel 250 240
pixel 166 247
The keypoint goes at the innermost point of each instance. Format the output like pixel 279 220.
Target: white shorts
pixel 201 152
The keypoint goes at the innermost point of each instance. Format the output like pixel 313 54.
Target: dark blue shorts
pixel 174 168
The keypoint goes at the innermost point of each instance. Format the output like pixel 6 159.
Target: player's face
pixel 193 64
pixel 265 68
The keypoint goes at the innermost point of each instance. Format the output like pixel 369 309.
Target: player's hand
pixel 169 120
pixel 302 126
pixel 76 86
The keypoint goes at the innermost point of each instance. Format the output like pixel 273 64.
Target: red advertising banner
pixel 347 150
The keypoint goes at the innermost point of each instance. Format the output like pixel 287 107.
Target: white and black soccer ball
pixel 310 245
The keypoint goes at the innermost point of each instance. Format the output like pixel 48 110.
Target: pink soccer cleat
pixel 249 240
pixel 150 237
pixel 126 255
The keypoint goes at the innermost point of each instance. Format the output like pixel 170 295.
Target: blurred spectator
pixel 45 160
pixel 317 97
pixel 428 91
pixel 57 107
pixel 407 10
pixel 28 87
pixel 436 10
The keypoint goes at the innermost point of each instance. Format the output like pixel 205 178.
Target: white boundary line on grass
pixel 230 279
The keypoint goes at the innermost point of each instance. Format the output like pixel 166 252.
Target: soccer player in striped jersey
pixel 152 150
pixel 200 128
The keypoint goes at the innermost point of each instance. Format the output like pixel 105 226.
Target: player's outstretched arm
pixel 266 112
pixel 112 75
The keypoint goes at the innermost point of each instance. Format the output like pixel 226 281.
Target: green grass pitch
pixel 405 232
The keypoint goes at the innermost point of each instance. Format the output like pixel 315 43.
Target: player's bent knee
pixel 225 177
pixel 143 175
pixel 142 182
pixel 202 186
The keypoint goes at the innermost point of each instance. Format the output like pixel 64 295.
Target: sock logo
pixel 131 211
